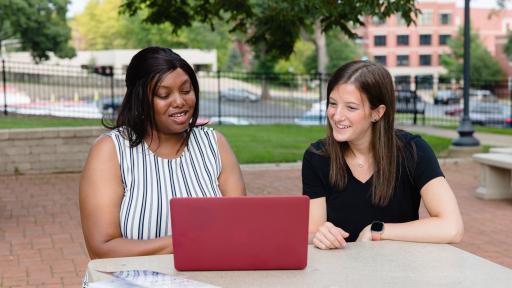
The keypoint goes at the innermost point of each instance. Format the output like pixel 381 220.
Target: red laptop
pixel 240 233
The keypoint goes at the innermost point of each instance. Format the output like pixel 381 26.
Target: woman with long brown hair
pixel 366 178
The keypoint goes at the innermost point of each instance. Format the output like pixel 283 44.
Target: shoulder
pixel 405 136
pixel 412 142
pixel 119 133
pixel 207 136
pixel 103 144
pixel 203 131
pixel 316 148
pixel 316 152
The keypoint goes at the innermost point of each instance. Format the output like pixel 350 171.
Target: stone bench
pixel 503 150
pixel 495 175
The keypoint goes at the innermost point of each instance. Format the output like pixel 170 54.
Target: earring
pixel 374 120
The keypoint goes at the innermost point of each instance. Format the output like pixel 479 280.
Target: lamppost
pixel 465 129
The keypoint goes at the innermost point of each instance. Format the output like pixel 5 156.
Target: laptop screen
pixel 240 233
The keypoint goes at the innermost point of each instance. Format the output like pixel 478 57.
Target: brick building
pixel 416 50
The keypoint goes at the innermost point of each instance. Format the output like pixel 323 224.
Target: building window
pixel 381 59
pixel 443 39
pixel 402 60
pixel 425 39
pixel 426 17
pixel 379 40
pixel 425 60
pixel 402 40
pixel 446 18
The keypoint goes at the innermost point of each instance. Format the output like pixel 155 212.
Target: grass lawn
pixel 18 122
pixel 287 143
pixel 270 143
pixel 251 144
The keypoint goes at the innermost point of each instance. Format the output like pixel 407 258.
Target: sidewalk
pixel 41 243
pixel 484 138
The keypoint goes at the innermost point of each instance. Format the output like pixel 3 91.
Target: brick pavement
pixel 41 243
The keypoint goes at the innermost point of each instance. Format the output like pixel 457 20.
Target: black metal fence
pixel 235 98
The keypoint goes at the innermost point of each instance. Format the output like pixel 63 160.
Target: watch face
pixel 377 226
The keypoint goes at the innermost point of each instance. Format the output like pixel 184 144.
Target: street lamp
pixel 465 129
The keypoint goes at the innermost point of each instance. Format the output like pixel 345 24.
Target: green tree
pixel 295 63
pixel 272 27
pixel 484 68
pixel 340 49
pixel 101 26
pixel 234 61
pixel 508 46
pixel 40 25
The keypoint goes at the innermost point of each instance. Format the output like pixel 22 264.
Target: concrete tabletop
pixel 367 264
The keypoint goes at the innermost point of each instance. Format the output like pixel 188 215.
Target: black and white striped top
pixel 150 181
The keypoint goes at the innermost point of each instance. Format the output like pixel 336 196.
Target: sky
pixel 76 7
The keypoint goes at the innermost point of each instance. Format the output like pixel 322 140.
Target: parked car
pixel 447 97
pixel 312 117
pixel 319 105
pixel 227 120
pixel 405 102
pixel 108 106
pixel 239 94
pixel 404 96
pixel 459 109
pixel 482 95
pixel 13 96
pixel 491 114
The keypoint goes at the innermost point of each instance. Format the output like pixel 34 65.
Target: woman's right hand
pixel 329 236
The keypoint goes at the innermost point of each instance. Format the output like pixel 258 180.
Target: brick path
pixel 41 242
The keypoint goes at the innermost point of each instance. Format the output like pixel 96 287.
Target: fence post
pixel 4 86
pixel 415 100
pixel 320 79
pixel 510 99
pixel 219 98
pixel 112 94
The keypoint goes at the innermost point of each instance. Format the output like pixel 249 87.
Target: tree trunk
pixel 321 48
pixel 265 91
pixel 322 57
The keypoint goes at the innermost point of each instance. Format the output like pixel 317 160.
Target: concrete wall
pixel 45 150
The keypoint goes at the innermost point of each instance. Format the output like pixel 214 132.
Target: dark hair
pixel 143 76
pixel 374 81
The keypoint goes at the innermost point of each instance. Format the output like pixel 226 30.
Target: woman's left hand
pixel 365 234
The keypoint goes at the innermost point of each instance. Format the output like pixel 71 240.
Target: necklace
pixel 360 163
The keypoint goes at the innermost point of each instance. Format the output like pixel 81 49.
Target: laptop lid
pixel 240 233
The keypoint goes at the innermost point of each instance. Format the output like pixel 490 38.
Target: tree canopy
pixel 100 26
pixel 40 25
pixel 340 50
pixel 484 68
pixel 272 27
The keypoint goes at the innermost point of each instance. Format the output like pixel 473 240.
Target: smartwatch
pixel 377 229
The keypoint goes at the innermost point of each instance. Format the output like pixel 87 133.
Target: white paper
pixel 147 278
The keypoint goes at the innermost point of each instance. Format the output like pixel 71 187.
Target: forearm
pixel 311 235
pixel 431 230
pixel 121 247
